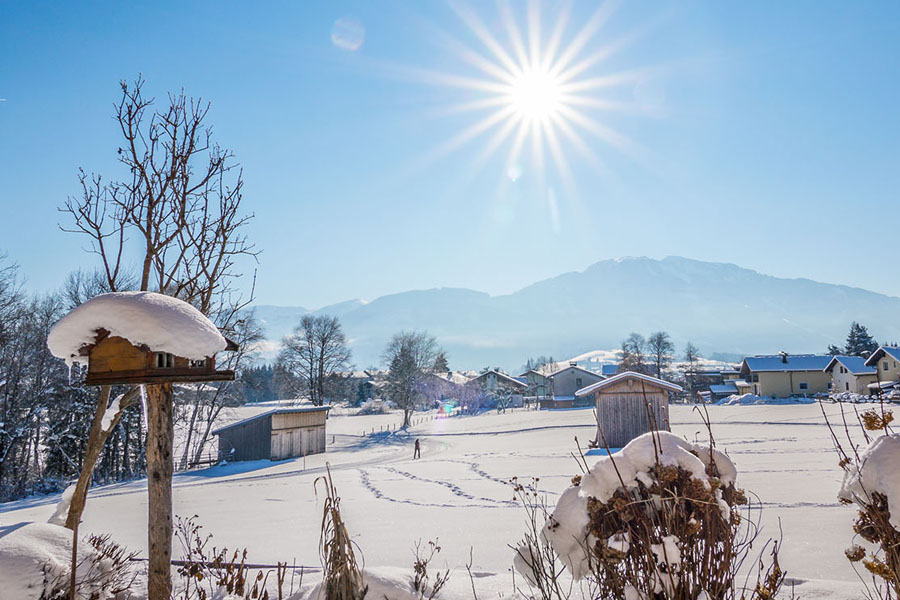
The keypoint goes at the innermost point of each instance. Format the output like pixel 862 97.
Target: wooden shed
pixel 629 404
pixel 275 435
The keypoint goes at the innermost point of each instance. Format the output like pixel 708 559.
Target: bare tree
pixel 314 353
pixel 661 349
pixel 410 356
pixel 633 357
pixel 691 354
pixel 181 199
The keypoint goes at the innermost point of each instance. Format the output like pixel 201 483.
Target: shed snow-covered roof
pixel 892 351
pixel 269 413
pixel 611 381
pixel 855 364
pixel 789 362
pixel 159 322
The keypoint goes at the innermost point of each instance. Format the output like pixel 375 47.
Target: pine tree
pixel 440 362
pixel 859 342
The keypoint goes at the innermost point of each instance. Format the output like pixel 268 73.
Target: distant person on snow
pixel 417 453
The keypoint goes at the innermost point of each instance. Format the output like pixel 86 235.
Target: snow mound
pixel 567 529
pixel 877 472
pixel 747 399
pixel 35 560
pixel 160 322
pixel 384 583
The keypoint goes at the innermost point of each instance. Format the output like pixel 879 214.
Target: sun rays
pixel 538 91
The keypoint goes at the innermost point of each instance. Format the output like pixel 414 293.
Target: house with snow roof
pixel 886 361
pixel 493 380
pixel 566 381
pixel 784 375
pixel 851 374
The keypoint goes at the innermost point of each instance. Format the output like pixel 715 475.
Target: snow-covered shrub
pixel 373 407
pixel 872 482
pixel 36 564
pixel 661 519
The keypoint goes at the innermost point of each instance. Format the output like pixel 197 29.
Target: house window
pixel 578 382
pixel 886 365
pixel 163 360
pixel 803 386
pixel 197 364
pixel 847 385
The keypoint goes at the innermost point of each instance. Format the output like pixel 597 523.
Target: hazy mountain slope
pixel 720 307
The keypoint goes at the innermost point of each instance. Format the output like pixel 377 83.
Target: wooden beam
pixel 153 378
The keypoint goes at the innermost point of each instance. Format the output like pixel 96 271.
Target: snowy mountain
pixel 719 307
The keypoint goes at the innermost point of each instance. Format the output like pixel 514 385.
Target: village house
pixel 538 385
pixel 851 374
pixel 565 382
pixel 886 361
pixel 784 375
pixel 493 380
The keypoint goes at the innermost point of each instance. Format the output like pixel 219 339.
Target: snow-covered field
pixel 457 492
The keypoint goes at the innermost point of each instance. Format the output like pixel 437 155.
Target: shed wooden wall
pixel 298 419
pixel 298 441
pixel 251 440
pixel 622 412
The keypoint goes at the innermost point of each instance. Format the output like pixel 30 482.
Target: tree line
pixel 316 356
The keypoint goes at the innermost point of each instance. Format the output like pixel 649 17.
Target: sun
pixel 539 89
pixel 535 94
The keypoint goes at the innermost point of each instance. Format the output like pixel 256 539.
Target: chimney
pixel 573 364
pixel 784 356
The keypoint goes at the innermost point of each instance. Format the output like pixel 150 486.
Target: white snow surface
pixel 160 322
pixel 35 555
pixel 877 472
pixel 458 492
pixel 634 461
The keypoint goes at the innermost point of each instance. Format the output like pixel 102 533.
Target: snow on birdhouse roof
pixel 159 322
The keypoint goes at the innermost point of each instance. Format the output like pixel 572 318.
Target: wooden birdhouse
pixel 140 338
pixel 113 360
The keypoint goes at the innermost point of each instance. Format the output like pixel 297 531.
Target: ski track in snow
pixel 369 485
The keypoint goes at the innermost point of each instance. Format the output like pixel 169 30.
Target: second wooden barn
pixel 629 404
pixel 275 435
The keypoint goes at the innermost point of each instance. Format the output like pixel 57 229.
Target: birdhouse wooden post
pixel 148 339
pixel 629 404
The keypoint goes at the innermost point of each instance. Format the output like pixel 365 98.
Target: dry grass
pixel 342 577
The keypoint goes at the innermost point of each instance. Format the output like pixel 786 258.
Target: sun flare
pixel 540 88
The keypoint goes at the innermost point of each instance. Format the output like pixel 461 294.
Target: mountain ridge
pixel 721 307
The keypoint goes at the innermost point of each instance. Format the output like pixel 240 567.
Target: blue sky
pixel 767 136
